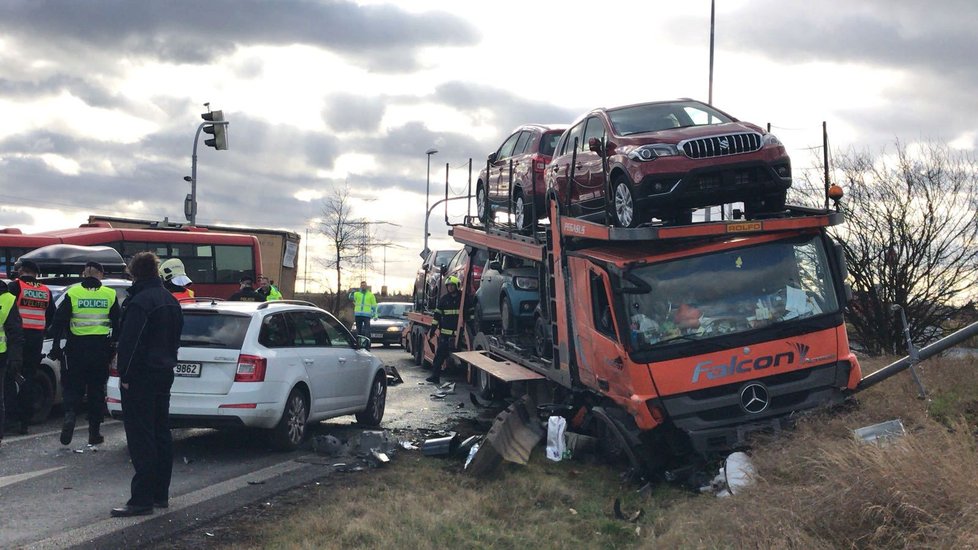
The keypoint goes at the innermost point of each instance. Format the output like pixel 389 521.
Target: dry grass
pixel 818 489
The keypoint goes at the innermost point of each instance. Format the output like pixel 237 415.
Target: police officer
pixel 267 288
pixel 89 316
pixel 11 340
pixel 36 310
pixel 175 280
pixel 446 325
pixel 364 308
pixel 247 292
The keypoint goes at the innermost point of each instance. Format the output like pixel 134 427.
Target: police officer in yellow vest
pixel 267 288
pixel 11 338
pixel 364 308
pixel 89 317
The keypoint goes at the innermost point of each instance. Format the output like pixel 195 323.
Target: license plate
pixel 187 369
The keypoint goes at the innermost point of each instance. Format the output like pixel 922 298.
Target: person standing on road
pixel 445 323
pixel 11 341
pixel 267 288
pixel 175 280
pixel 247 291
pixel 364 308
pixel 148 342
pixel 36 310
pixel 89 317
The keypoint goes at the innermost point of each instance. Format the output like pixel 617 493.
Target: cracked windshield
pixel 737 291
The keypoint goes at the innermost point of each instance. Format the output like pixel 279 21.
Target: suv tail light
pixel 539 163
pixel 251 368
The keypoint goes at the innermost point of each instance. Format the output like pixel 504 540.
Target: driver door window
pixel 603 318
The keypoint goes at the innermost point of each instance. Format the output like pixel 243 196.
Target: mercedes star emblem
pixel 754 398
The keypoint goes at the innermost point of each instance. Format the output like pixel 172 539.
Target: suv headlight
pixel 526 283
pixel 651 152
pixel 771 139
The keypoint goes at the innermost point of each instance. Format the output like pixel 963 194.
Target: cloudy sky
pixel 99 100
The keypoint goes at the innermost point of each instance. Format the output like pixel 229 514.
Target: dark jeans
pixel 23 409
pixel 85 368
pixel 444 349
pixel 145 413
pixel 363 326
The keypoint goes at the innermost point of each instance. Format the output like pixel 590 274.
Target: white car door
pixel 325 364
pixel 354 384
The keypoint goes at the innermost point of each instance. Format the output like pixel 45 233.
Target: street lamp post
pixel 427 193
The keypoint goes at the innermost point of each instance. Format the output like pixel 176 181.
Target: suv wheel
pixel 625 209
pixel 541 338
pixel 520 215
pixel 374 413
pixel 482 203
pixel 291 429
pixel 506 310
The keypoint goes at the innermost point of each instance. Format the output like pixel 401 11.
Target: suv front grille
pixel 721 146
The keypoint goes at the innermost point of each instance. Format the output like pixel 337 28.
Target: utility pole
pixel 713 11
pixel 825 160
pixel 305 269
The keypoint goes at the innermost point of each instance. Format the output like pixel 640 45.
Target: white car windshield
pixel 728 292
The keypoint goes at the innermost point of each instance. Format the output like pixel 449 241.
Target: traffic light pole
pixel 193 173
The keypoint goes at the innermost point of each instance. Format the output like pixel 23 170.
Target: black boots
pixel 434 378
pixel 68 428
pixel 94 437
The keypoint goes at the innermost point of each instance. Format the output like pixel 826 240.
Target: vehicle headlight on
pixel 526 283
pixel 651 152
pixel 771 139
pixel 393 329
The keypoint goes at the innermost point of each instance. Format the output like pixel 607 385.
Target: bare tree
pixel 910 238
pixel 346 235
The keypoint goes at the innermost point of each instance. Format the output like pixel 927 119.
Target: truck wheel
pixel 484 384
pixel 374 413
pixel 418 349
pixel 288 434
pixel 482 203
pixel 625 210
pixel 541 338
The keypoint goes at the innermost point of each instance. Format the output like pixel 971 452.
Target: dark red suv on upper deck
pixel 665 159
pixel 528 149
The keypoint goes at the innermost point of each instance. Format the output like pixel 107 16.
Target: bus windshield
pixel 728 292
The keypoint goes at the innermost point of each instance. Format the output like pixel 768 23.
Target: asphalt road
pixel 53 496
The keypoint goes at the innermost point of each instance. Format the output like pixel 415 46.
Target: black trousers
pixel 3 374
pixel 444 349
pixel 33 341
pixel 145 413
pixel 362 325
pixel 85 368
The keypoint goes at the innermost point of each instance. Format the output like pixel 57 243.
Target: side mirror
pixel 491 158
pixel 495 266
pixel 595 145
pixel 443 269
pixel 364 342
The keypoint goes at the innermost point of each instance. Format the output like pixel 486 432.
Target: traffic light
pixel 219 131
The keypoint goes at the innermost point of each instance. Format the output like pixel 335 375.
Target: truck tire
pixel 418 349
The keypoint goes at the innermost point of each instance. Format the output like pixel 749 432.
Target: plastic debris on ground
pixel 619 514
pixel 736 474
pixel 881 434
pixel 440 446
pixel 472 452
pixel 393 377
pixel 447 388
pixel 556 442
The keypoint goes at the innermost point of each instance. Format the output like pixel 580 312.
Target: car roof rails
pixel 213 300
pixel 264 305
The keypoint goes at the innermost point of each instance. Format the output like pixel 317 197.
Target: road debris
pixel 256 483
pixel 440 446
pixel 448 388
pixel 408 446
pixel 329 445
pixel 439 395
pixel 736 474
pixel 881 434
pixel 632 518
pixel 393 377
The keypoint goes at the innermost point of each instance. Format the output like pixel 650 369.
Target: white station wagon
pixel 273 365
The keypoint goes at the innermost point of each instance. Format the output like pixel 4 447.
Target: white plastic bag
pixel 556 441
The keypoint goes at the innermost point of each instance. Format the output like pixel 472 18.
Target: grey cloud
pixel 508 110
pixel 352 113
pixel 186 31
pixel 90 93
pixel 10 218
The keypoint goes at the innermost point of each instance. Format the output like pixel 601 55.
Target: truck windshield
pixel 729 292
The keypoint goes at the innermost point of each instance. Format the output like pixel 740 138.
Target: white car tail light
pixel 251 368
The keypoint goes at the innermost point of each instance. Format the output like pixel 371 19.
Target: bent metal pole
pixel 927 352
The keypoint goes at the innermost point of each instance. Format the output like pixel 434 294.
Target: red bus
pixel 214 261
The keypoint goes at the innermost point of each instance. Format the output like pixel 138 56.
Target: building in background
pixel 279 249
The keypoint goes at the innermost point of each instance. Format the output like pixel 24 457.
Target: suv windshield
pixel 653 117
pixel 729 292
pixel 213 330
pixel 393 310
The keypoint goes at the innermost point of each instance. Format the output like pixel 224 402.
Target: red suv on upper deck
pixel 529 149
pixel 664 159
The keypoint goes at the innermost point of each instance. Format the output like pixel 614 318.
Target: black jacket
pixel 246 294
pixel 446 313
pixel 14 330
pixel 150 333
pixel 62 319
